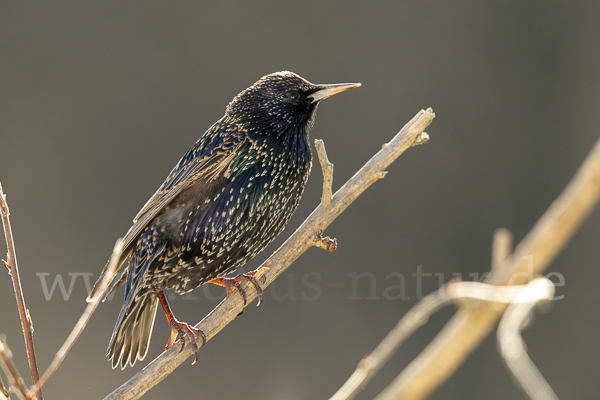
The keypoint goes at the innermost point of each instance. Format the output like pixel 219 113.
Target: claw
pixel 235 283
pixel 181 330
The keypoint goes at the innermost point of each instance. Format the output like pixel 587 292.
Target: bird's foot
pixel 181 330
pixel 235 283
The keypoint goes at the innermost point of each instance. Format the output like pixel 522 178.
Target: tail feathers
pixel 131 337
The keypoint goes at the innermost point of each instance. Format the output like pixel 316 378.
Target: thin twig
pixel 417 316
pixel 11 262
pixel 327 169
pixel 83 320
pixel 298 243
pixel 470 325
pixel 15 380
pixel 512 346
pixel 372 363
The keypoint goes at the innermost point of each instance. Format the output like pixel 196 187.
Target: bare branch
pixel 83 320
pixel 512 346
pixel 415 318
pixel 372 363
pixel 15 380
pixel 327 169
pixel 12 265
pixel 501 248
pixel 470 325
pixel 298 243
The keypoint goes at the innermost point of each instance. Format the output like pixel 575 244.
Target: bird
pixel 227 198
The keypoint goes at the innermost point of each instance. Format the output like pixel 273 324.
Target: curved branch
pixel 512 346
pixel 305 237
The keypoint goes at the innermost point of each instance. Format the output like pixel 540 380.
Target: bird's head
pixel 281 103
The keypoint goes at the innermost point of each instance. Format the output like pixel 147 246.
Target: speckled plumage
pixel 228 197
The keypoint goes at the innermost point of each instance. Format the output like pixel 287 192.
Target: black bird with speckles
pixel 228 197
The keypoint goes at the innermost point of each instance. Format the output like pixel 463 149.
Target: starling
pixel 227 198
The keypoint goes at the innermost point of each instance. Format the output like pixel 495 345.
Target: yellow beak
pixel 326 91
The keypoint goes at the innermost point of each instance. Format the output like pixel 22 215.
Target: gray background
pixel 98 100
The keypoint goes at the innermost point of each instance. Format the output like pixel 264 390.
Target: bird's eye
pixel 294 96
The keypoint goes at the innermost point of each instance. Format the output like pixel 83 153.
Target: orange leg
pixel 235 283
pixel 180 329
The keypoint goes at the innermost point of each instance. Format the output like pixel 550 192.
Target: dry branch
pixel 327 169
pixel 13 268
pixel 512 346
pixel 471 324
pixel 418 315
pixel 83 320
pixel 501 248
pixel 306 236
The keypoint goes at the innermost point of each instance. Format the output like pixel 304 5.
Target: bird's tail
pixel 131 337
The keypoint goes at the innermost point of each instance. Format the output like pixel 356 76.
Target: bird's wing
pixel 209 158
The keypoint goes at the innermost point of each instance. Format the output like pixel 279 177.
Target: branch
pixel 512 346
pixel 417 316
pixel 83 320
pixel 13 268
pixel 501 248
pixel 305 237
pixel 327 169
pixel 470 325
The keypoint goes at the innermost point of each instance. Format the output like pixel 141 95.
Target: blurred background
pixel 99 100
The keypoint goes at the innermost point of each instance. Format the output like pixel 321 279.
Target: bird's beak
pixel 326 91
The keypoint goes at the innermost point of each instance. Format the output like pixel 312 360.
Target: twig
pixel 298 243
pixel 512 347
pixel 372 363
pixel 470 325
pixel 15 380
pixel 417 317
pixel 501 248
pixel 11 263
pixel 83 320
pixel 327 169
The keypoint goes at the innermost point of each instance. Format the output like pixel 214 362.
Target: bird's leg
pixel 235 283
pixel 180 329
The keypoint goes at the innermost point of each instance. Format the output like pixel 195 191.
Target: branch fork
pixel 300 241
pixel 309 234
